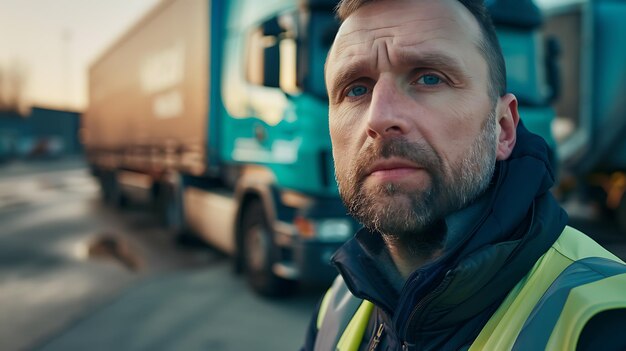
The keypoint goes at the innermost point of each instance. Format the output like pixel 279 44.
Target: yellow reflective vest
pixel 547 310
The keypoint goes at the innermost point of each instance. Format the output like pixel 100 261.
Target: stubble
pixel 409 217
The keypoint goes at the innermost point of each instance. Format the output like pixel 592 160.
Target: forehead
pixel 409 25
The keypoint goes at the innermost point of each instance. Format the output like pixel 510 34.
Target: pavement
pixel 55 296
pixel 31 167
pixel 201 307
pixel 197 310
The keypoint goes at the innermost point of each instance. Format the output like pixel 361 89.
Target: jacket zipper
pixel 377 337
pixel 412 321
pixel 442 286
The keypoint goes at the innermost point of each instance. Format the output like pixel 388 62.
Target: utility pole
pixel 66 40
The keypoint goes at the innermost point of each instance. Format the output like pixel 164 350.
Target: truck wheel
pixel 111 190
pixel 171 212
pixel 170 204
pixel 258 255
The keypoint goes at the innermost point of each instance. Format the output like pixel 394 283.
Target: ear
pixel 507 120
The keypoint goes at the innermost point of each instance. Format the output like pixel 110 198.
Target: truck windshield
pixel 321 32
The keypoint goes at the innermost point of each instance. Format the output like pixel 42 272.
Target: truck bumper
pixel 307 261
pixel 313 261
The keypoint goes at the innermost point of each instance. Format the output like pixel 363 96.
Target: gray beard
pixel 409 218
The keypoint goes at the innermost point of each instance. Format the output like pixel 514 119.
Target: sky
pixel 54 41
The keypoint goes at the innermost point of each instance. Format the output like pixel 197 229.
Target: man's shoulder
pixel 574 245
pixel 590 277
pixel 591 282
pixel 570 287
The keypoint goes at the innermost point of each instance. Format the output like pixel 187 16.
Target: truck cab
pixel 591 112
pixel 565 64
pixel 271 145
pixel 216 113
pixel 530 63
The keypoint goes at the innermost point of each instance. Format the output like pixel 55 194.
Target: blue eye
pixel 429 79
pixel 357 90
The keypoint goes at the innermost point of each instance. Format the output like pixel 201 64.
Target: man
pixel 464 247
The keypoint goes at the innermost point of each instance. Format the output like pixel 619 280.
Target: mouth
pixel 392 169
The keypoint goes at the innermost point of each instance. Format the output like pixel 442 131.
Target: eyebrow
pixel 435 60
pixel 432 59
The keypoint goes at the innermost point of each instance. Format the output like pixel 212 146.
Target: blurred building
pixel 43 133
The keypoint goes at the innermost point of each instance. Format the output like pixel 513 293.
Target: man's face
pixel 412 126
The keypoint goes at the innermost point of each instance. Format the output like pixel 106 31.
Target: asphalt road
pixel 42 276
pixel 204 309
pixel 62 289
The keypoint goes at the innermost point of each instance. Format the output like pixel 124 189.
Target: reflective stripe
pixel 352 336
pixel 503 328
pixel 337 313
pixel 542 320
pixel 504 325
pixel 321 313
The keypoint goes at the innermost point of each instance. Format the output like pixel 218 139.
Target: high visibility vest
pixel 547 310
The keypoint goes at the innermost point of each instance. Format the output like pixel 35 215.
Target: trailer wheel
pixel 258 255
pixel 170 207
pixel 111 191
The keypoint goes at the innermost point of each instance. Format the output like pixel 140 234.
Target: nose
pixel 387 115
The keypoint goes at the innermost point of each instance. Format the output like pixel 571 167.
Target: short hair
pixel 489 45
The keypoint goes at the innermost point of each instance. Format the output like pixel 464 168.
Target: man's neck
pixel 413 250
pixel 407 261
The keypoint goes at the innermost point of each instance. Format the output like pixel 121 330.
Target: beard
pixel 404 216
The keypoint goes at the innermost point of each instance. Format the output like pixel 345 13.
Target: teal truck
pixel 566 63
pixel 216 111
pixel 520 29
pixel 590 123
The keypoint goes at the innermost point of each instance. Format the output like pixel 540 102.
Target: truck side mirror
pixel 271 53
pixel 553 74
pixel 515 13
pixel 271 27
pixel 271 66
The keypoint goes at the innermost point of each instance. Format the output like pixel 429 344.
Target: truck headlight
pixel 334 229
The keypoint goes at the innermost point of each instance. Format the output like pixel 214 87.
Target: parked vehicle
pixel 530 68
pixel 592 107
pixel 566 65
pixel 217 111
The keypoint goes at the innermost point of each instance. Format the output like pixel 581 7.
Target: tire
pixel 259 254
pixel 171 212
pixel 170 207
pixel 111 191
